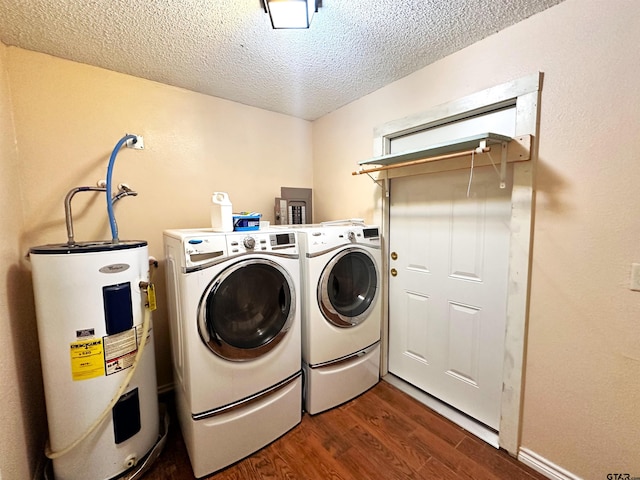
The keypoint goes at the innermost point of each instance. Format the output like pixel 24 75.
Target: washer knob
pixel 249 243
pixel 351 236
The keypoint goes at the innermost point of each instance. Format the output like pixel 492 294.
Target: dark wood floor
pixel 384 434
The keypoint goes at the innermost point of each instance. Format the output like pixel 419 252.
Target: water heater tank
pixel 90 310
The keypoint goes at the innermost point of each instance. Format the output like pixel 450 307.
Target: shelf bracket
pixel 377 182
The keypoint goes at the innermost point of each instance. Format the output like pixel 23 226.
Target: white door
pixel 447 302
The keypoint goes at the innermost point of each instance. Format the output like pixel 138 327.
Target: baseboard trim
pixel 544 466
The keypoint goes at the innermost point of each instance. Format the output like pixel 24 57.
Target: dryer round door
pixel 247 310
pixel 348 287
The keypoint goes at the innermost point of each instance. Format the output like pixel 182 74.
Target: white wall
pixel 22 415
pixel 583 366
pixel 583 363
pixel 69 117
pixel 59 122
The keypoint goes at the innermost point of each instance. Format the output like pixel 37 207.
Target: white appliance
pixel 234 315
pixel 341 312
pixel 90 305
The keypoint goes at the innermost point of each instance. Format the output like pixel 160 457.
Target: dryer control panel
pixel 320 239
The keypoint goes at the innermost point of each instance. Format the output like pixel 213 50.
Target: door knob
pixel 394 272
pixel 394 256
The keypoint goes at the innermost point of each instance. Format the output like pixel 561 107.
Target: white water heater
pixel 90 305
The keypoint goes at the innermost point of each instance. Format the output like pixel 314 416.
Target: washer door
pixel 247 310
pixel 348 287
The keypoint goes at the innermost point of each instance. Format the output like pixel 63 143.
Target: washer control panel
pixel 245 242
pixel 202 247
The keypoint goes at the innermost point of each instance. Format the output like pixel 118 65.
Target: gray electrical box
pixel 293 206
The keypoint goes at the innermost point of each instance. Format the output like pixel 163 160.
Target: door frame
pixel 524 94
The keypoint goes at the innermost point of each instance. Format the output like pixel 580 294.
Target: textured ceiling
pixel 227 48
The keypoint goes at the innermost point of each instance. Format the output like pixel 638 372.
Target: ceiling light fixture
pixel 291 13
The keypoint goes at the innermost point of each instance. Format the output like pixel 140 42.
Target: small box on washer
pixel 245 223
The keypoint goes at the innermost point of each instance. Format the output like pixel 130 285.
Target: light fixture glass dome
pixel 290 13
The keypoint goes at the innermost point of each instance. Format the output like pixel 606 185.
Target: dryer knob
pixel 249 243
pixel 351 236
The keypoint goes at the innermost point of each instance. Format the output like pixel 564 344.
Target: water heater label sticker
pixel 85 333
pixel 87 360
pixel 119 351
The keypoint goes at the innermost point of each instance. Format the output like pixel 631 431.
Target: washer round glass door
pixel 247 309
pixel 348 287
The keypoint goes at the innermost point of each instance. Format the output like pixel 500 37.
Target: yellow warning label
pixel 151 294
pixel 87 360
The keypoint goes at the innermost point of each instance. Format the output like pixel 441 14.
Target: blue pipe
pixel 112 161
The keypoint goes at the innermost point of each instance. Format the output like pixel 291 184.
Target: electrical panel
pixel 293 207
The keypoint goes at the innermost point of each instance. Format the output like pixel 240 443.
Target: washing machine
pixel 341 312
pixel 234 317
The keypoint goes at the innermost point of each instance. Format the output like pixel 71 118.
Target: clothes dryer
pixel 234 316
pixel 341 313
